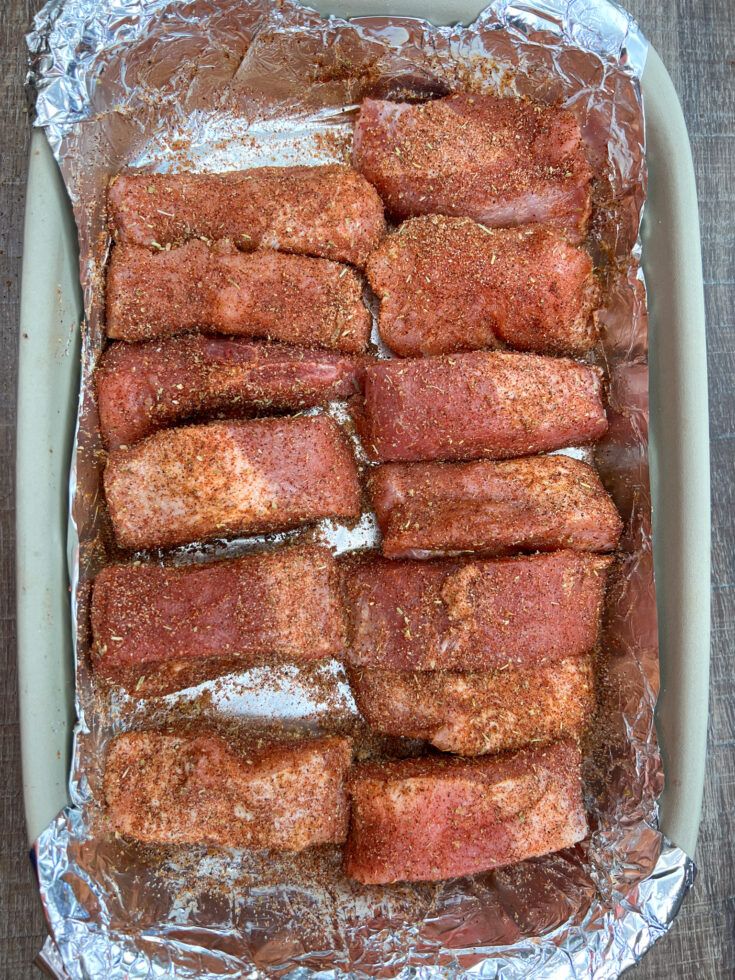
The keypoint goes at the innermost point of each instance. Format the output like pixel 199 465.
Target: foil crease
pixel 224 84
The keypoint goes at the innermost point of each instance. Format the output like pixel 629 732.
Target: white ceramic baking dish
pixel 51 310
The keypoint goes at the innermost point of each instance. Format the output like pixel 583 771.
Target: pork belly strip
pixel 429 819
pixel 501 161
pixel 293 298
pixel 160 629
pixel 449 284
pixel 169 788
pixel 480 404
pixel 478 713
pixel 227 478
pixel 540 503
pixel 331 212
pixel 145 387
pixel 474 615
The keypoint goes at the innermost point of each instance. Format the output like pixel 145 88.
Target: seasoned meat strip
pixel 429 819
pixel 331 212
pixel 292 298
pixel 145 387
pixel 481 404
pixel 474 615
pixel 478 713
pixel 448 284
pixel 540 503
pixel 501 161
pixel 228 478
pixel 161 629
pixel 169 788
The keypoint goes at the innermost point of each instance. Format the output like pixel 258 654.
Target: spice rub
pixel 449 284
pixel 476 615
pixel 176 788
pixel 331 212
pixel 158 629
pixel 478 713
pixel 540 503
pixel 209 481
pixel 428 819
pixel 145 387
pixel 480 404
pixel 292 298
pixel 501 161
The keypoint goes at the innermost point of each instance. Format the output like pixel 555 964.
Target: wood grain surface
pixel 696 39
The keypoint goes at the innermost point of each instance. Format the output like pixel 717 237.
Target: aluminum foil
pixel 224 84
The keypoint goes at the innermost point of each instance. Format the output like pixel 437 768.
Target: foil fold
pixel 224 84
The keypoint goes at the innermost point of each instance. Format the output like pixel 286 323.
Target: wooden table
pixel 696 39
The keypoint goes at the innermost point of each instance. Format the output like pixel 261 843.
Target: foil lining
pixel 224 84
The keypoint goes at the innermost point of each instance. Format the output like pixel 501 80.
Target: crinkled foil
pixel 223 84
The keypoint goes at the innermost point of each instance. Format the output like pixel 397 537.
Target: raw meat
pixel 145 387
pixel 331 212
pixel 448 284
pixel 160 629
pixel 540 503
pixel 480 404
pixel 501 161
pixel 429 819
pixel 227 478
pixel 474 615
pixel 177 788
pixel 475 714
pixel 300 300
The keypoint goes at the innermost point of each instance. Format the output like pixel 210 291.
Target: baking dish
pixel 51 310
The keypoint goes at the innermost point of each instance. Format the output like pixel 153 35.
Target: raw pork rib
pixel 428 819
pixel 161 629
pixel 331 212
pixel 501 161
pixel 474 714
pixel 227 478
pixel 448 284
pixel 474 615
pixel 481 404
pixel 145 387
pixel 293 298
pixel 173 788
pixel 536 504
